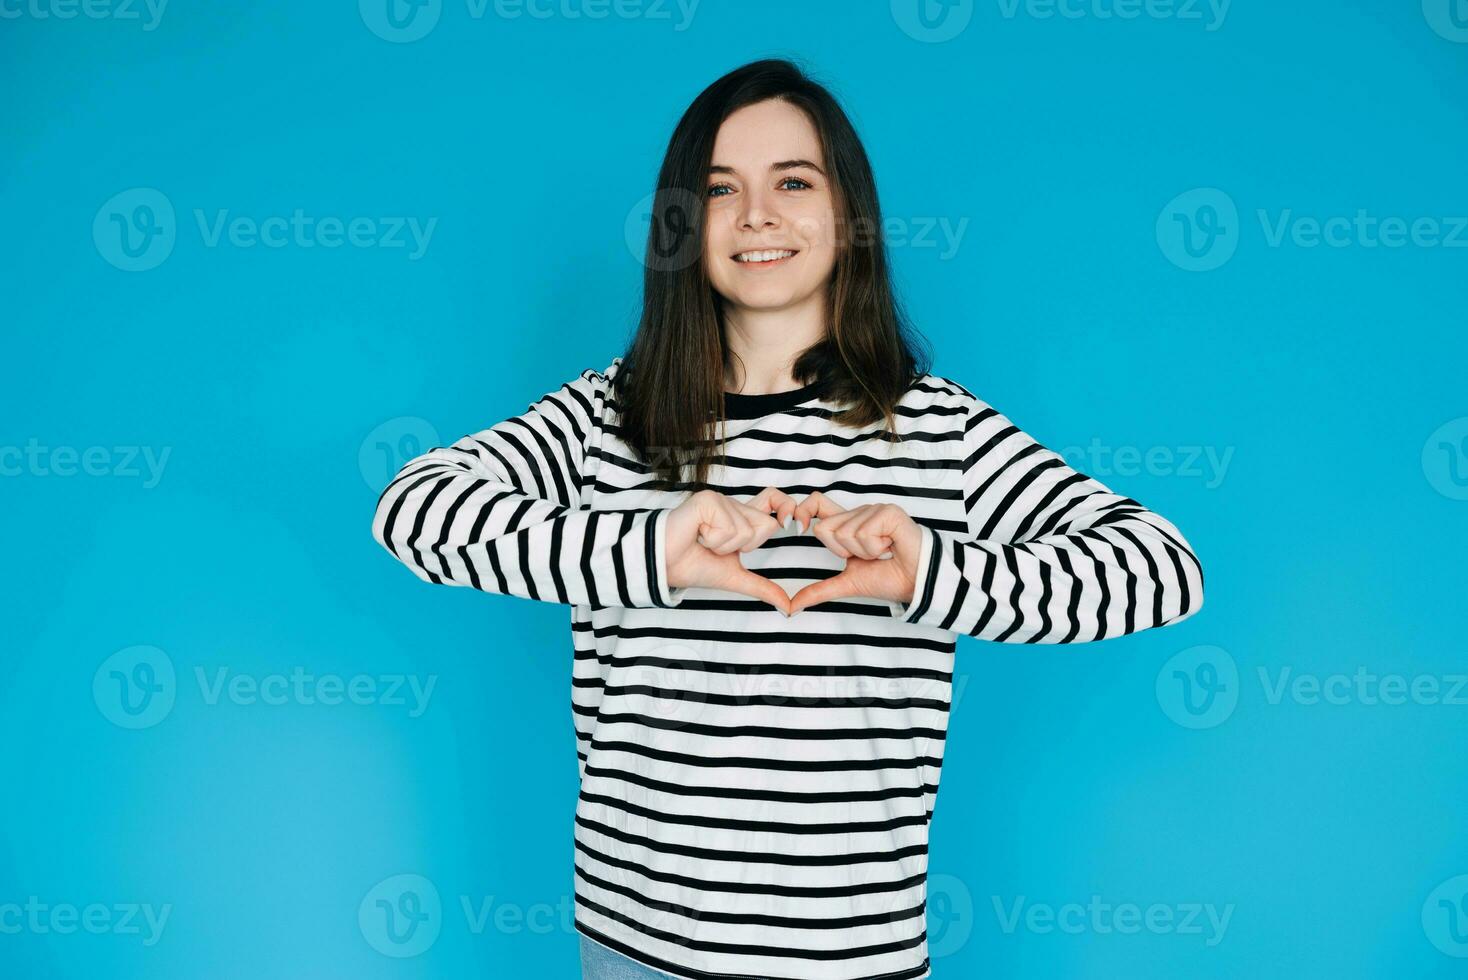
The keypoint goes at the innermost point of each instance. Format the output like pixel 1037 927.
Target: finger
pixel 763 528
pixel 762 525
pixel 863 534
pixel 715 533
pixel 748 583
pixel 818 592
pixel 719 526
pixel 814 506
pixel 819 505
pixel 827 529
pixel 773 500
pixel 738 526
pixel 711 525
pixel 896 523
pixel 891 530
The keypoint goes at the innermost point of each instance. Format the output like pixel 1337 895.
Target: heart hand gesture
pixel 708 531
pixel 862 536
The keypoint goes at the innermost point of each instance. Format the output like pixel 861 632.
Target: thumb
pixel 751 584
pixel 817 592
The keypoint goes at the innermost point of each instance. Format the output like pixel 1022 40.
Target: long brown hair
pixel 670 388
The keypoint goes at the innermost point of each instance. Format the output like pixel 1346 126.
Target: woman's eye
pixel 801 185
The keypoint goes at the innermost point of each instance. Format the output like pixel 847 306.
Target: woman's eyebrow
pixel 782 165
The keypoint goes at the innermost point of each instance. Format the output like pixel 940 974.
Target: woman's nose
pixel 758 212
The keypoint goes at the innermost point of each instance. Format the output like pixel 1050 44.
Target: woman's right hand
pixel 707 533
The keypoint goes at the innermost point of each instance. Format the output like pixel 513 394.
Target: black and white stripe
pixel 1050 555
pixel 498 511
pixel 755 791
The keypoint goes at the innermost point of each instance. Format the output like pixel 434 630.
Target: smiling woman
pixel 744 249
pixel 724 827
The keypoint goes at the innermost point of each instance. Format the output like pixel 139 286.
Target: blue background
pixel 284 383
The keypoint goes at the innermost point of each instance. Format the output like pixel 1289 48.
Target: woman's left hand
pixel 860 536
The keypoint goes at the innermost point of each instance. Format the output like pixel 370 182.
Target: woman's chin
pixel 765 300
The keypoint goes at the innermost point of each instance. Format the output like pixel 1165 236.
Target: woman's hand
pixel 861 536
pixel 708 531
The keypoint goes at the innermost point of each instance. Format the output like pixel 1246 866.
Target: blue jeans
pixel 600 963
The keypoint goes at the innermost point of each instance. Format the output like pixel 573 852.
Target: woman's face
pixel 768 192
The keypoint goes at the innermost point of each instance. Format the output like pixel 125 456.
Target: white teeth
pixel 768 256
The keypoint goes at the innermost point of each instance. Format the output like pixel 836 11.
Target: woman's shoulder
pixel 603 376
pixel 595 382
pixel 586 393
pixel 939 393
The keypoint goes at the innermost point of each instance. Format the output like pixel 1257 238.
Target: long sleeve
pixel 1051 555
pixel 498 511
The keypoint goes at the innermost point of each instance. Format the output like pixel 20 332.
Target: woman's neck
pixel 764 345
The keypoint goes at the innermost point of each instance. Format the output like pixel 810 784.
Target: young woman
pixel 770 523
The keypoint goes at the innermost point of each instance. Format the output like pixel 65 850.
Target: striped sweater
pixel 756 791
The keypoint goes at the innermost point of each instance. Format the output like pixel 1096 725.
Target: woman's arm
pixel 498 511
pixel 1052 555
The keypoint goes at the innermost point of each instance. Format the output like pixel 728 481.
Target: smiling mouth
pixel 764 258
